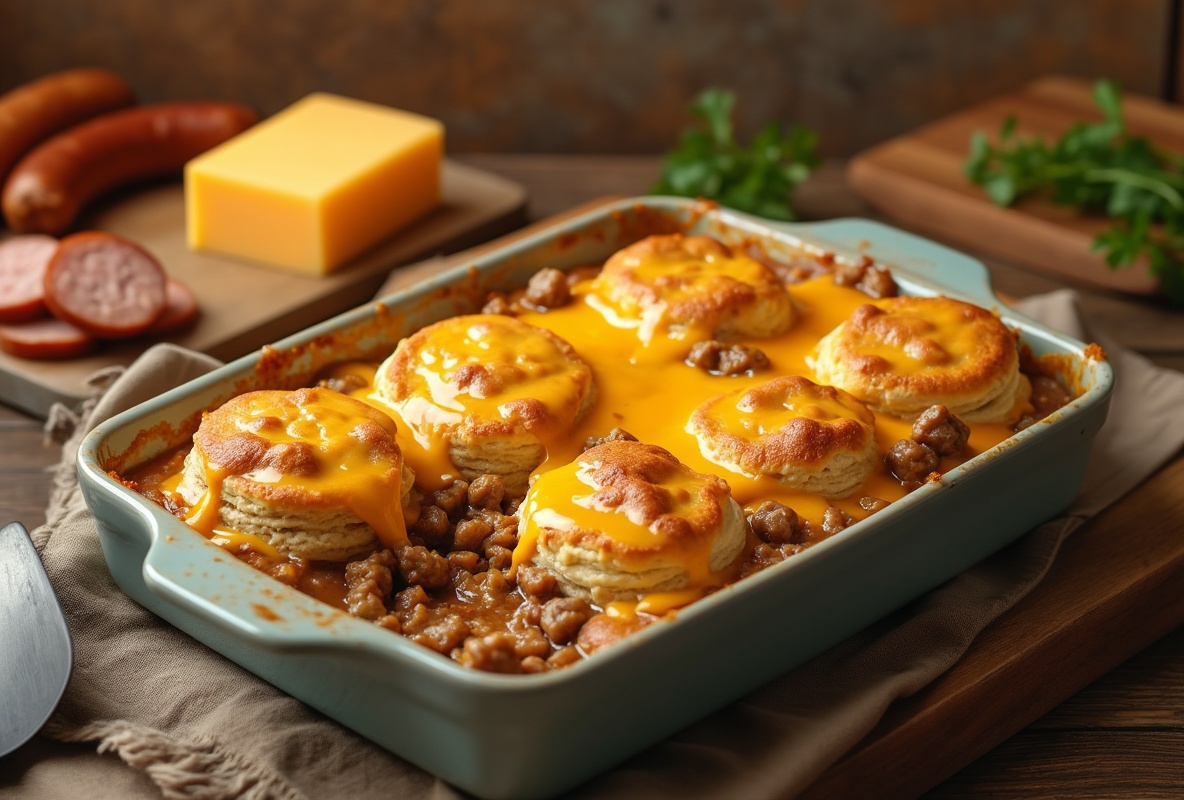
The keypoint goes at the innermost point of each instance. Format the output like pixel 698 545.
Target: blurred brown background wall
pixel 600 76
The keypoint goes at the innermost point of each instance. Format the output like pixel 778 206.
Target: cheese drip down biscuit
pixel 809 437
pixel 491 391
pixel 315 474
pixel 627 520
pixel 694 288
pixel 902 355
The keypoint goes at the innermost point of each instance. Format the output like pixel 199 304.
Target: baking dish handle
pixel 925 259
pixel 228 595
pixel 189 581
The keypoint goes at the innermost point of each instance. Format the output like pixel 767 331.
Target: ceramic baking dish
pixel 596 713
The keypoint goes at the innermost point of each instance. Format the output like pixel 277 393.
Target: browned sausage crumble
pixel 941 431
pixel 866 276
pixel 548 289
pixel 775 523
pixel 911 461
pixel 615 435
pixel 718 358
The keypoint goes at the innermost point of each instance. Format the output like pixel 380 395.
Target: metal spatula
pixel 35 651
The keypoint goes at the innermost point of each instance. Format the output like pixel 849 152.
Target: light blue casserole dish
pixel 655 682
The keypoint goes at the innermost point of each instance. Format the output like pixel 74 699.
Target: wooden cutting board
pixel 246 305
pixel 917 180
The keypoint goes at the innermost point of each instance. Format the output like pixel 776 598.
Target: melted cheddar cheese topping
pixel 749 419
pixel 335 463
pixel 654 398
pixel 471 369
pixel 630 520
pixel 513 364
pixel 566 499
pixel 909 344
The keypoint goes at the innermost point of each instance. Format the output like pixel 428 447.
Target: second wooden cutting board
pixel 917 179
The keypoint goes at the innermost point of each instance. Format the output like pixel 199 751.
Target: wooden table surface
pixel 1121 736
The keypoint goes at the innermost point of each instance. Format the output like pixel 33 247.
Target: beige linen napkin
pixel 171 716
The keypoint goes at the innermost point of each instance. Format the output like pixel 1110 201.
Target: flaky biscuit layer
pixel 904 354
pixel 811 438
pixel 695 283
pixel 645 523
pixel 316 474
pixel 491 389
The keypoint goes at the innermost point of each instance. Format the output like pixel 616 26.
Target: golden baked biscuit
pixel 626 520
pixel 905 354
pixel 810 437
pixel 490 391
pixel 314 473
pixel 693 287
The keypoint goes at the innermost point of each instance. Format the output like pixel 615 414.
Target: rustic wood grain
pixel 589 76
pixel 412 274
pixel 1077 623
pixel 1048 765
pixel 1145 692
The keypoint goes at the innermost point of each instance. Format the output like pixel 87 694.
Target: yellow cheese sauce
pixel 653 401
pixel 238 542
pixel 535 361
pixel 203 515
pixel 653 398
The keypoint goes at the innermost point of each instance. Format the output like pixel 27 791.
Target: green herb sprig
pixel 709 162
pixel 1098 167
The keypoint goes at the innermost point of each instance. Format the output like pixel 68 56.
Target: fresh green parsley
pixel 1098 167
pixel 709 162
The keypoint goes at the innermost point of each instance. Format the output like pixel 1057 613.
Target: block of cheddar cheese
pixel 315 185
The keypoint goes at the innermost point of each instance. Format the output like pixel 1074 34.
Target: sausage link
pixel 49 187
pixel 32 113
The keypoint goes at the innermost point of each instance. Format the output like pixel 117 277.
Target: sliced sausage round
pixel 105 285
pixel 45 339
pixel 23 260
pixel 180 310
